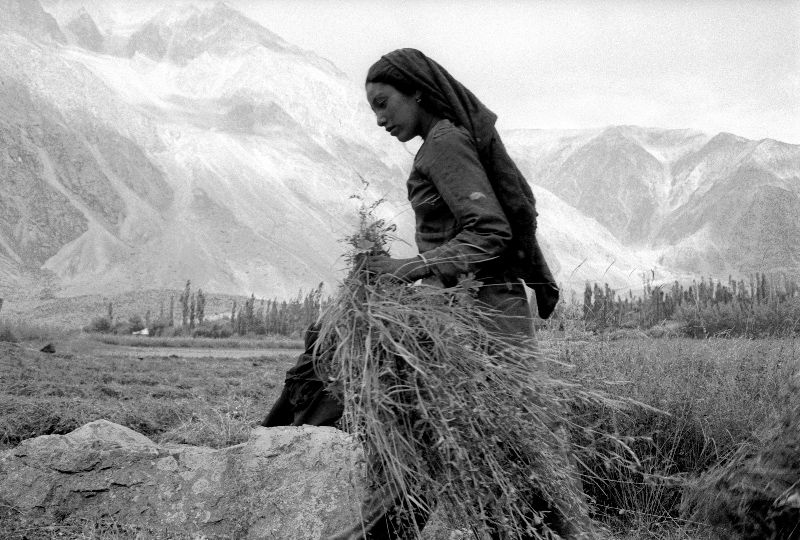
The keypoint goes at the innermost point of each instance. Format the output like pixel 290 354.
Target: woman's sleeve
pixel 456 171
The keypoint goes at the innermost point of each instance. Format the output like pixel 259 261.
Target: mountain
pixel 83 32
pixel 131 173
pixel 714 205
pixel 181 34
pixel 28 17
pixel 742 210
pixel 196 144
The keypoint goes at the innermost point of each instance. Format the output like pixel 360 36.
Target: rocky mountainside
pixel 29 18
pixel 196 144
pixel 713 205
pixel 128 173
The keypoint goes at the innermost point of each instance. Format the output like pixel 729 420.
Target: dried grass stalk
pixel 448 412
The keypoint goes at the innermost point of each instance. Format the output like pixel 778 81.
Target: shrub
pixel 99 324
pixel 22 330
pixel 7 333
pixel 135 323
pixel 215 330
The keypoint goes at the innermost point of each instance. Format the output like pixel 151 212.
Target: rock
pixel 49 348
pixel 284 482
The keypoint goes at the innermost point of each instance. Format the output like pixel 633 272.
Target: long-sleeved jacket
pixel 460 225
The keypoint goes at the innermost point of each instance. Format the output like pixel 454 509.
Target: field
pixel 714 395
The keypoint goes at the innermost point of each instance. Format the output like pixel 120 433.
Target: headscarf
pixel 409 70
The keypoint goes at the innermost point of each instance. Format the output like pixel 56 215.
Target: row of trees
pixel 260 317
pixel 739 300
pixel 192 314
pixel 273 317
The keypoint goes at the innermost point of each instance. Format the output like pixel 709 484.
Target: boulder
pixel 284 482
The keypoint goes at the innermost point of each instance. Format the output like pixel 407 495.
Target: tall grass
pixel 759 320
pixel 756 492
pixel 719 394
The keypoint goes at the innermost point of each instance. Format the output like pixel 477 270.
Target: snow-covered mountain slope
pixel 198 145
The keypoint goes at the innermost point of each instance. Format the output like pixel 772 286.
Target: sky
pixel 710 65
pixel 731 66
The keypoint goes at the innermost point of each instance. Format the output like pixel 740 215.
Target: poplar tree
pixel 192 310
pixel 200 306
pixel 185 303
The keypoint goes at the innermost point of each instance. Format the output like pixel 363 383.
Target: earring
pixel 418 100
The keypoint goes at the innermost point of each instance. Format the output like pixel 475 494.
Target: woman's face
pixel 400 114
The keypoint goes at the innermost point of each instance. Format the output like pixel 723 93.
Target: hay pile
pixel 450 414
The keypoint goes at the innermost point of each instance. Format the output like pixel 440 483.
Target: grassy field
pixel 266 342
pixel 715 394
pixel 211 401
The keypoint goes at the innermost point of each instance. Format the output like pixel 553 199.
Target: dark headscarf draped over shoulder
pixel 409 70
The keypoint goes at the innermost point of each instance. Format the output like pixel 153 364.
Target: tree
pixel 185 303
pixel 587 301
pixel 200 306
pixel 192 310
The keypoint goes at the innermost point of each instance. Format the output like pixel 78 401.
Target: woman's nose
pixel 381 120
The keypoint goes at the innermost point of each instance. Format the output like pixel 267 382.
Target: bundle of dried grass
pixel 449 413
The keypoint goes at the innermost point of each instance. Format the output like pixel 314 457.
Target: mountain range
pixel 197 144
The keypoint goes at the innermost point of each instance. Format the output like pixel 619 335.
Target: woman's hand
pixel 410 269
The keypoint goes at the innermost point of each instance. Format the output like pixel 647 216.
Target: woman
pixel 475 218
pixel 475 213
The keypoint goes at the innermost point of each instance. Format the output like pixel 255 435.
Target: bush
pixel 7 333
pixel 17 331
pixel 99 324
pixel 216 330
pixel 136 323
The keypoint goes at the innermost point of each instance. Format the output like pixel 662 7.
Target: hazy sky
pixel 711 65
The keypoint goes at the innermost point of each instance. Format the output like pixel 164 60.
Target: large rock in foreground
pixel 286 482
